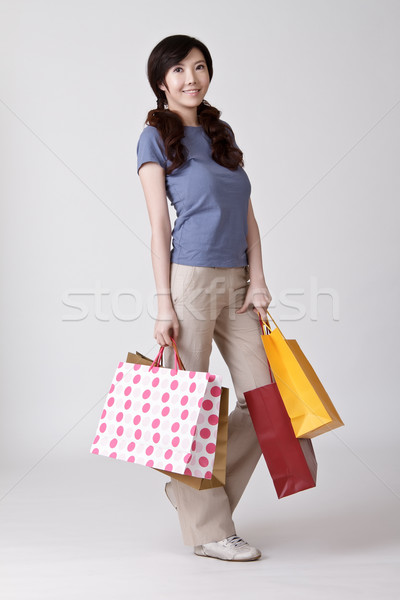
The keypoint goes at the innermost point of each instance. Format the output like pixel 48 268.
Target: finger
pixel 242 309
pixel 260 310
pixel 167 339
pixel 160 339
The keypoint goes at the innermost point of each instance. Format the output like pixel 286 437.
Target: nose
pixel 190 77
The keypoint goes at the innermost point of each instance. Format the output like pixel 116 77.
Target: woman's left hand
pixel 260 297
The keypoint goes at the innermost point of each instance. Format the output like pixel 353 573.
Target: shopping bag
pixel 219 470
pixel 290 461
pixel 161 418
pixel 307 403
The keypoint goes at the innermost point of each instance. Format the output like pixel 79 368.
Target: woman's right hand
pixel 167 326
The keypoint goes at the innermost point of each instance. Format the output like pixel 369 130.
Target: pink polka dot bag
pixel 161 418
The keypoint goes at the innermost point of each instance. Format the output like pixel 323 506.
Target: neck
pixel 189 116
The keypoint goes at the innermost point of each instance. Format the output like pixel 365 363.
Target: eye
pixel 200 66
pixel 177 70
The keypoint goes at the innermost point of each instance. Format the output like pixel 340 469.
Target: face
pixel 187 82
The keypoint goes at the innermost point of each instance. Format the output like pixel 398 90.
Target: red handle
pixel 157 361
pixel 177 357
pixel 178 361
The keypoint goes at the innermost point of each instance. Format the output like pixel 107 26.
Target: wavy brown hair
pixel 170 51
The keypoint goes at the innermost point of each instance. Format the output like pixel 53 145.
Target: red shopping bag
pixel 290 460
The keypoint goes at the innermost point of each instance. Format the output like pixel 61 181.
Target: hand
pixel 166 326
pixel 259 296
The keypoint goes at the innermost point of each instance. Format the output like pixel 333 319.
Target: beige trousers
pixel 205 300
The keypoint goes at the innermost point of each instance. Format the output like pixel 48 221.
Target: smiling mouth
pixel 191 92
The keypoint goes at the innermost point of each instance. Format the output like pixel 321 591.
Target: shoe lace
pixel 235 540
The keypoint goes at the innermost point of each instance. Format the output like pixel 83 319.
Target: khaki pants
pixel 205 300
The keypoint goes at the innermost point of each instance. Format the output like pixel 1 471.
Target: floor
pixel 98 528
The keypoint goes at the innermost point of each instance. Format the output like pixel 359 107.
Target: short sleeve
pixel 150 148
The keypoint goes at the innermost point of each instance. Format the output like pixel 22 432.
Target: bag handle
pixel 177 357
pixel 157 362
pixel 158 359
pixel 265 325
pixel 266 329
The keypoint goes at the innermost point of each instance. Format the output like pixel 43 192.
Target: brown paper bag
pixel 219 470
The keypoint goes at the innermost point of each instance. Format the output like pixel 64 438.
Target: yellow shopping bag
pixel 307 403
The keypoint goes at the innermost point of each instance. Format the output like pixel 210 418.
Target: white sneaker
pixel 231 548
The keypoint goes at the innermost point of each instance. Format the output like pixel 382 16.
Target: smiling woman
pixel 180 70
pixel 186 81
pixel 187 154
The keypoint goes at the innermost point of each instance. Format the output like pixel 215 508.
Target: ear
pixel 162 87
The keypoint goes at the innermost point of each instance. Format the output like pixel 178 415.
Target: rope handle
pixel 265 323
pixel 266 329
pixel 265 326
pixel 157 362
pixel 180 363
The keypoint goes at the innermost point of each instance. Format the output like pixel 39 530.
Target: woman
pixel 211 284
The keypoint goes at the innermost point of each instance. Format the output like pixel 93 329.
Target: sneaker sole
pixel 228 559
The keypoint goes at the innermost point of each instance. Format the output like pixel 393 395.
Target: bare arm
pixel 152 178
pixel 258 293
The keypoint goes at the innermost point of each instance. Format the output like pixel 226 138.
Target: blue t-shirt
pixel 211 201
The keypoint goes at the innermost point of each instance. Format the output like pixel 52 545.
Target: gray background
pixel 311 90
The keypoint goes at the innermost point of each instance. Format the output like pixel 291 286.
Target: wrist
pixel 257 280
pixel 164 300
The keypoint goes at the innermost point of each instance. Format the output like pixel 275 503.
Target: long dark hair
pixel 170 51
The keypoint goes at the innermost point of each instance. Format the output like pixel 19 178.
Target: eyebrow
pixel 196 63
